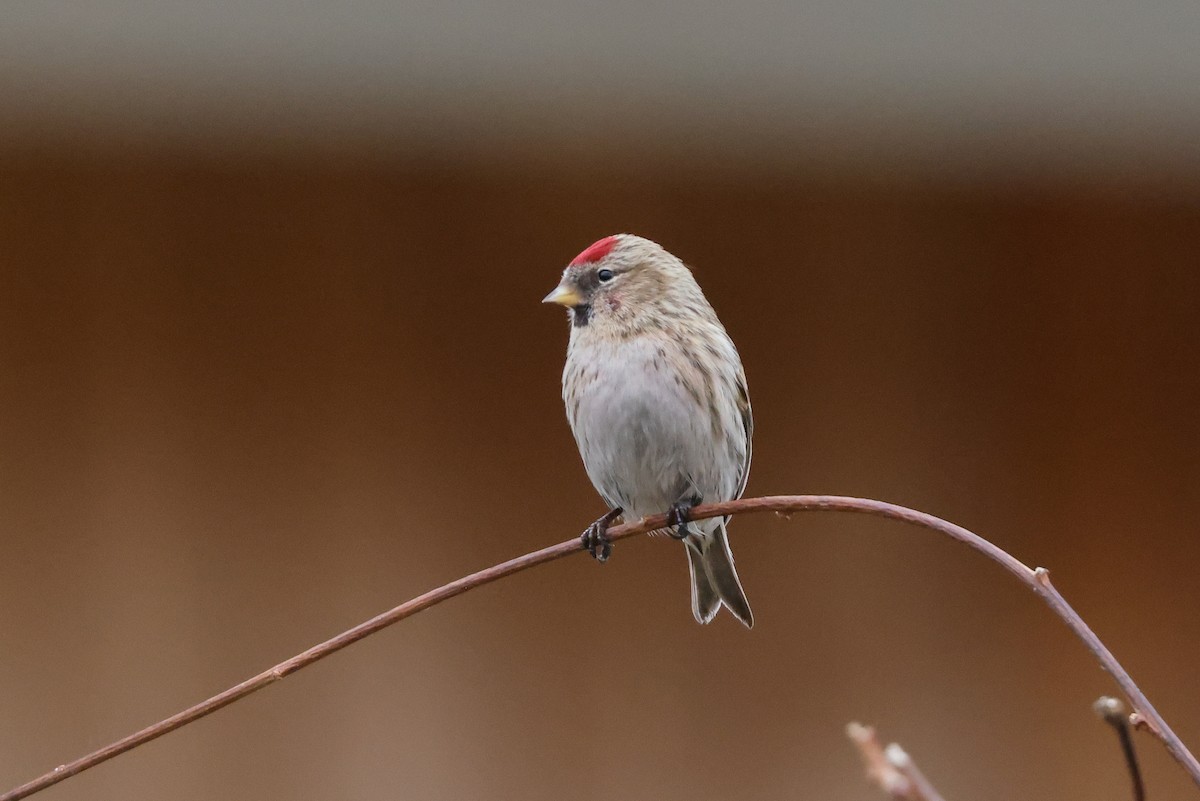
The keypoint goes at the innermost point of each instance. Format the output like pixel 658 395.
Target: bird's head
pixel 623 280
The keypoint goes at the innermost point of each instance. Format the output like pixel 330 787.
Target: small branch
pixel 1112 712
pixel 1038 580
pixel 891 769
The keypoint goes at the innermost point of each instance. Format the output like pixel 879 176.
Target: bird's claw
pixel 595 538
pixel 678 517
pixel 596 542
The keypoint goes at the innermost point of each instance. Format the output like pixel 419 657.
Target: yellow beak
pixel 564 295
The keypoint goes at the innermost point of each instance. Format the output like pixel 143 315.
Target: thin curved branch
pixel 1038 580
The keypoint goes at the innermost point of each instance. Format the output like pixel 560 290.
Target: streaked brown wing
pixel 743 402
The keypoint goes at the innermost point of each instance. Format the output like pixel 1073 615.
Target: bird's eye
pixel 605 275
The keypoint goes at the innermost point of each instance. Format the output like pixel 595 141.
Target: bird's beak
pixel 564 295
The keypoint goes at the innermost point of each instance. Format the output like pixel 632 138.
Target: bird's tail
pixel 714 580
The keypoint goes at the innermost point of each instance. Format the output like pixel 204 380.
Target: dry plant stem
pixel 1038 580
pixel 891 769
pixel 1112 712
pixel 922 788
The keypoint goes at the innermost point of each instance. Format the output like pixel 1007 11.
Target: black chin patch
pixel 581 315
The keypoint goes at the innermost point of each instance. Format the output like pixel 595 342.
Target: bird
pixel 656 398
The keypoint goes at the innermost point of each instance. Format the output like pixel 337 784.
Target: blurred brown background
pixel 264 374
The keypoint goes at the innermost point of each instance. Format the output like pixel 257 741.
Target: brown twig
pixel 1038 580
pixel 1112 712
pixel 891 768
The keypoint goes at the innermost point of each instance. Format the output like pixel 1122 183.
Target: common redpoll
pixel 657 400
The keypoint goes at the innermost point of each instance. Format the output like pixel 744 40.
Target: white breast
pixel 646 438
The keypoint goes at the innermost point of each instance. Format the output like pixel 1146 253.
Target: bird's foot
pixel 679 516
pixel 595 537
